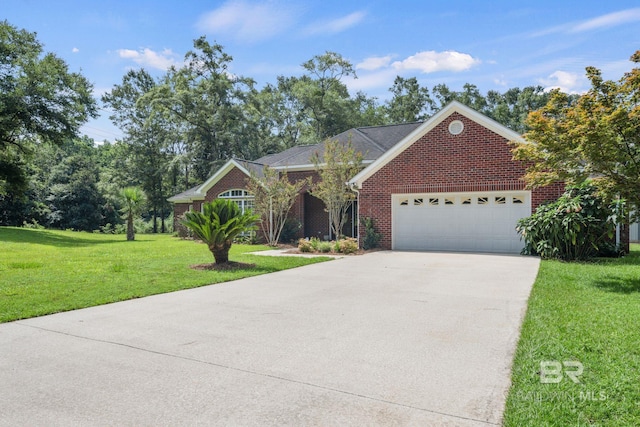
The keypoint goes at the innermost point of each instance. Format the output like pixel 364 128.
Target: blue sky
pixel 492 44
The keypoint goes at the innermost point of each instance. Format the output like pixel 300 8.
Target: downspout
pixel 355 189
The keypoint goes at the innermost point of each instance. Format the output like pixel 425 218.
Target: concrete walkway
pixel 388 338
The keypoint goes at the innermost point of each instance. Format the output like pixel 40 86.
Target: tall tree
pixel 324 96
pixel 512 107
pixel 205 101
pixel 146 132
pixel 469 95
pixel 596 137
pixel 40 101
pixel 410 102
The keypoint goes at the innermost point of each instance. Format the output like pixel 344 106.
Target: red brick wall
pixel 475 160
pixel 234 179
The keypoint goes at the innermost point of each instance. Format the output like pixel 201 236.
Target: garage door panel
pixel 459 221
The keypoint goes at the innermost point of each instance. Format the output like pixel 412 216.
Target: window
pixel 433 201
pixel 242 198
pixel 404 202
pixel 517 200
pixel 466 201
pixel 500 200
pixel 448 201
pixel 483 200
pixel 418 202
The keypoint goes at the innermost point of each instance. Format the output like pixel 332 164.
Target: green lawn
pixel 45 271
pixel 589 313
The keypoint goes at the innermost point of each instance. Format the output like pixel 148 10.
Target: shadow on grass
pixel 46 237
pixel 621 285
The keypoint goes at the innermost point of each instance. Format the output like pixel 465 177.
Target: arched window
pixel 242 198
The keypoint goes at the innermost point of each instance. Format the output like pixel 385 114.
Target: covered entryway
pixel 475 221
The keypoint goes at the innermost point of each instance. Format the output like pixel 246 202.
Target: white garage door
pixel 476 222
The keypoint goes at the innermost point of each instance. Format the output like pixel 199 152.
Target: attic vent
pixel 456 127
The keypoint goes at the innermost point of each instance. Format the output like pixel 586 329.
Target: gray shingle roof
pixel 371 141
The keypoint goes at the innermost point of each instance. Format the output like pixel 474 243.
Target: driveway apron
pixel 387 338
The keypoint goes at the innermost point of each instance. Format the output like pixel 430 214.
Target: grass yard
pixel 45 271
pixel 587 313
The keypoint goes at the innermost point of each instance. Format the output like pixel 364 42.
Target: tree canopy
pixel 596 137
pixel 40 101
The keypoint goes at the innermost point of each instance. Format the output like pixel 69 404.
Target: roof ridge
pixel 390 125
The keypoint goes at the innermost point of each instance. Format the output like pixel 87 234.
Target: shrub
pixel 579 225
pixel 371 238
pixel 315 243
pixel 304 245
pixel 348 245
pixel 324 247
pixel 290 230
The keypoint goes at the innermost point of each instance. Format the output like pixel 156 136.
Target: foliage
pixel 348 245
pixel 273 195
pixel 48 271
pixel 337 165
pixel 40 101
pixel 585 312
pixel 218 224
pixel 344 246
pixel 579 225
pixel 133 197
pixel 304 245
pixel 324 247
pixel 596 136
pixel 410 102
pixel 290 230
pixel 371 237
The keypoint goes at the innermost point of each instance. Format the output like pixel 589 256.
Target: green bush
pixel 315 243
pixel 578 226
pixel 371 237
pixel 290 230
pixel 325 247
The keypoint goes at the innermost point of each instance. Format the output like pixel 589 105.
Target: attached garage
pixel 475 221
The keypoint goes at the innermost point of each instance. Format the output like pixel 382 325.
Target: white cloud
pixel 336 25
pixel 565 81
pixel 149 58
pixel 247 22
pixel 608 20
pixel 431 61
pixel 75 50
pixel 371 81
pixel 374 63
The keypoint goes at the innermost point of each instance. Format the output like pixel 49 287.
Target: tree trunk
pixel 220 252
pixel 130 230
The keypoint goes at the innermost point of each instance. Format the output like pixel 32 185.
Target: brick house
pixel 449 183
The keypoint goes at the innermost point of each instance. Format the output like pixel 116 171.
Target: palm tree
pixel 217 225
pixel 133 198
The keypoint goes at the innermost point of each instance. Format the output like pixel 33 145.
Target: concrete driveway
pixel 388 338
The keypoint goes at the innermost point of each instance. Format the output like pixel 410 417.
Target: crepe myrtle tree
pixel 273 197
pixel 218 224
pixel 336 166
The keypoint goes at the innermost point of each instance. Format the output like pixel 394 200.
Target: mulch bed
pixel 227 266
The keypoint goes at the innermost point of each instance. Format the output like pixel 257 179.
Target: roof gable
pixel 199 192
pixel 424 128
